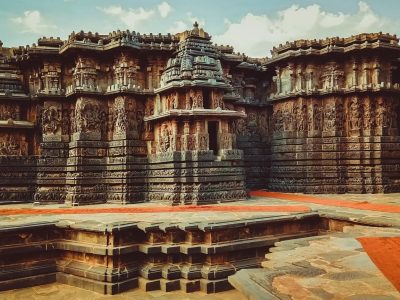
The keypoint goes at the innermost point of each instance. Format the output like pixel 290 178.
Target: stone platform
pixel 111 249
pixel 111 253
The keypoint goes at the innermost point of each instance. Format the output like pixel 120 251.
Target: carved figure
pixel 50 120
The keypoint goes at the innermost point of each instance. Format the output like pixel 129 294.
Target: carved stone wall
pixel 125 118
pixel 335 144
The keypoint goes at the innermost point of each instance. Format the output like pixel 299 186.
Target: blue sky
pixel 252 27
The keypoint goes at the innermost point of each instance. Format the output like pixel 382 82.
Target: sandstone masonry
pixel 129 117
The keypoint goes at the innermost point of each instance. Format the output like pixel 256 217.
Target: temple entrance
pixel 213 136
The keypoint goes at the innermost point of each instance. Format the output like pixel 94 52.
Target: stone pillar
pixel 376 77
pixel 186 136
pixel 278 81
pixel 149 78
pixel 365 73
pixel 355 74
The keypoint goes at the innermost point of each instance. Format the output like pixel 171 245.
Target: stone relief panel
pixel 120 121
pixel 50 78
pixel 165 137
pixel 257 123
pixel 383 114
pixel 126 118
pixel 315 76
pixel 346 117
pixel 89 115
pixel 51 119
pixel 13 145
pixel 354 114
pixel 125 69
pixel 329 117
pixel 84 76
pixel 217 101
pixel 169 101
pixel 9 112
pixel 332 76
pixel 149 107
pixel 66 121
pixel 287 79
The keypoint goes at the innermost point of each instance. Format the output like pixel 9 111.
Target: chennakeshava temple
pixel 129 117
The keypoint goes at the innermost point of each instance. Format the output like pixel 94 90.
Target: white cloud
pixel 255 35
pixel 179 26
pixel 164 9
pixel 130 17
pixel 32 21
pixel 185 24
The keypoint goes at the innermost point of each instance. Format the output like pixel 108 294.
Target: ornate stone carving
pixel 302 119
pixel 340 117
pixel 317 117
pixel 88 116
pixel 203 142
pixel 263 123
pixel 197 99
pixel 50 77
pixel 9 145
pixel 66 121
pixel 226 140
pixel 252 123
pixel 9 112
pixel 164 138
pixel 332 77
pixel 240 127
pixel 120 116
pixel 85 74
pixel 51 120
pixel 368 120
pixel 288 120
pixel 149 108
pixel 278 121
pixel 217 100
pixel 383 114
pixel 354 114
pixel 330 117
pixel 124 72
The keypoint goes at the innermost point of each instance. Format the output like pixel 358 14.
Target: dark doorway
pixel 207 99
pixel 213 136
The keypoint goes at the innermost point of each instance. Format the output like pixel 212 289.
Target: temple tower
pixel 193 157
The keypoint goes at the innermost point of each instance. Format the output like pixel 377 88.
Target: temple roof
pixel 195 62
pixel 334 45
pixel 10 81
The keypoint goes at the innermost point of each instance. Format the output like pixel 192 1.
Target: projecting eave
pixel 332 49
pixel 192 84
pixel 16 124
pixel 13 96
pixel 231 57
pixel 114 45
pixel 196 112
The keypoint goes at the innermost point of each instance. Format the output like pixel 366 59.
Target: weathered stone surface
pixel 112 257
pixel 327 267
pixel 195 123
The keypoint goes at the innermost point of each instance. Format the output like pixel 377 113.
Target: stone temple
pixel 129 118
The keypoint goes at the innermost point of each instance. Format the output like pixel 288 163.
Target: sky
pixel 252 27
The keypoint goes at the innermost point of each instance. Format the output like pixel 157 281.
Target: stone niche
pixel 89 119
pixel 52 121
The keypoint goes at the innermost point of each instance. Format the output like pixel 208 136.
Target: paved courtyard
pixel 338 265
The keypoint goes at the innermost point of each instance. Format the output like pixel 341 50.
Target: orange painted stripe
pixel 385 253
pixel 156 209
pixel 330 202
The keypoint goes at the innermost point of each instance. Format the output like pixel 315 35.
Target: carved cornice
pixel 196 113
